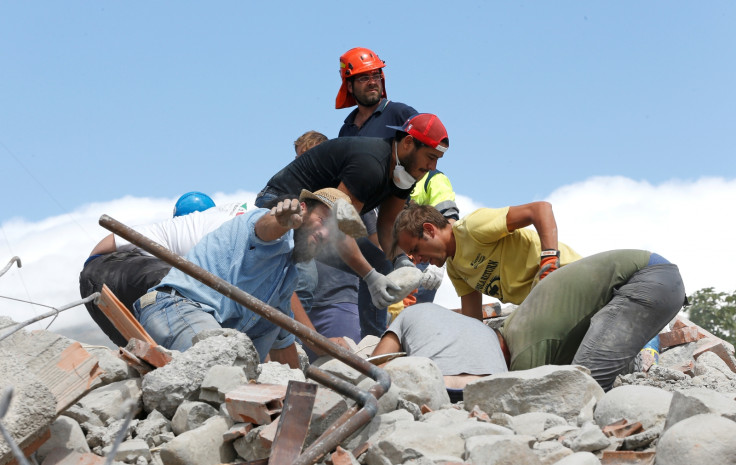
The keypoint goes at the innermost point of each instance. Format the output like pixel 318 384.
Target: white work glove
pixel 432 277
pixel 382 289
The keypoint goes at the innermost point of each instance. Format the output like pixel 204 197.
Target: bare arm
pixel 388 344
pixel 287 356
pixel 106 245
pixel 538 214
pixel 472 305
pixel 390 209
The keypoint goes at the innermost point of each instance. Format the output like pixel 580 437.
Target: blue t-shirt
pixel 234 253
pixel 387 113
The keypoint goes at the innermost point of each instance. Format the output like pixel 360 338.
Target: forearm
pixel 388 344
pixel 546 226
pixel 287 356
pixel 472 305
pixel 106 245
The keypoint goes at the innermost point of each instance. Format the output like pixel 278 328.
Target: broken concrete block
pixel 167 387
pixel 418 380
pixel 278 373
pixel 580 458
pixel 415 440
pixel 82 415
pixel 99 438
pixel 561 390
pixel 645 404
pixel 201 446
pixel 682 322
pixel 219 380
pixel 379 427
pixel 238 430
pixel 339 369
pixel 251 446
pixel 501 449
pixel 641 440
pixel 259 404
pixel 154 429
pixel 328 407
pixel 712 365
pixel 65 457
pixel 129 451
pixel 191 415
pixel 113 368
pixel 550 452
pixel 695 401
pixel 106 402
pixel 65 434
pixel 535 423
pixel 700 439
pixel 555 432
pixel 589 438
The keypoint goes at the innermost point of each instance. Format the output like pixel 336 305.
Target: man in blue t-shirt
pixel 257 252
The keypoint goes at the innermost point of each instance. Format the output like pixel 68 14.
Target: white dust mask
pixel 402 179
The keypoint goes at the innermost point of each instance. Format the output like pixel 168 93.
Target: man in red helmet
pixel 364 85
pixel 373 172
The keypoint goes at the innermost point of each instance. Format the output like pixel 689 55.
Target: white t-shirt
pixel 181 233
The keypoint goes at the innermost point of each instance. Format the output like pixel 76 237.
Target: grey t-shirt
pixel 456 343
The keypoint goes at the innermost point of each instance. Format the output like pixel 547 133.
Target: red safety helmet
pixel 356 61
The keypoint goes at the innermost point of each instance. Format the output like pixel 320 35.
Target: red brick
pixel 679 336
pixel 259 404
pixel 425 408
pixel 341 457
pixel 705 334
pixel 153 354
pixel 623 430
pixel 479 414
pixel 268 434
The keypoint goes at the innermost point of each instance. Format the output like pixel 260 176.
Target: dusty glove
pixel 382 289
pixel 401 261
pixel 547 265
pixel 432 277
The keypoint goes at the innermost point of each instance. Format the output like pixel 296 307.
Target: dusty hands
pixel 288 213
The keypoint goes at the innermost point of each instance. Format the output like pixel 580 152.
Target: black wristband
pixel 550 253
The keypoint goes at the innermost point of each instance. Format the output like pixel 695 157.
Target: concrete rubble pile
pixel 216 404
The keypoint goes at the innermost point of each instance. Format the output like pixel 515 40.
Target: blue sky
pixel 106 99
pixel 622 114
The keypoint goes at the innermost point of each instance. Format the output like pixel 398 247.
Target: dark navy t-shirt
pixel 387 113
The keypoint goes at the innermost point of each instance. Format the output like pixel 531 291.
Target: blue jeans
pixel 172 321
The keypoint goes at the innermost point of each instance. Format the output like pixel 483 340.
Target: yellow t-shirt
pixel 493 261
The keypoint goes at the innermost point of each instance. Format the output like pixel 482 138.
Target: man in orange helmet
pixel 364 85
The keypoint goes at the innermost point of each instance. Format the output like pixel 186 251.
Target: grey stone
pixel 550 452
pixel 219 380
pixel 101 437
pixel 446 417
pixel 561 390
pixel 113 367
pixel 201 446
pixel 277 373
pixel 589 438
pixel 407 278
pixel 501 450
pixel 641 440
pixel 251 447
pixel 82 416
pixel 710 364
pixel 580 458
pixel 472 427
pixel 502 419
pixel 689 402
pixel 328 407
pixel 410 407
pixel 108 402
pixel 414 440
pixel 555 432
pixel 153 430
pixel 191 415
pixel 130 451
pixel 65 434
pixel 339 369
pixel 379 427
pixel 646 404
pixel 535 423
pixel 700 439
pixel 418 380
pixel 167 387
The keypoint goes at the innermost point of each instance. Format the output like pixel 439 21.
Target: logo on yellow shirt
pixel 480 258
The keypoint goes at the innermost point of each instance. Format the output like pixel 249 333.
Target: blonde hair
pixel 308 140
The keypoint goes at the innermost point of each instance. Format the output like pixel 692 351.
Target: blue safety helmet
pixel 192 202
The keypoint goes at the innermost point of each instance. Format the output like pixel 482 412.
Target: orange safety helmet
pixel 356 61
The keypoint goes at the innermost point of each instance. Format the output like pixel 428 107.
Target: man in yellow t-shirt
pixel 488 251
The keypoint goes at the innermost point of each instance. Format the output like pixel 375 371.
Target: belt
pixel 169 290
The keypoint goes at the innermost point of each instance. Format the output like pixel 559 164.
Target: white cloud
pixel 688 222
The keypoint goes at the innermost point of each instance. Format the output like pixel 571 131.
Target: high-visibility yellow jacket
pixel 435 189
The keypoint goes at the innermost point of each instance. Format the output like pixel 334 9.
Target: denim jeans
pixel 172 320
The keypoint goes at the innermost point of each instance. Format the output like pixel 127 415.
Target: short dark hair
pixel 411 219
pixel 401 134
